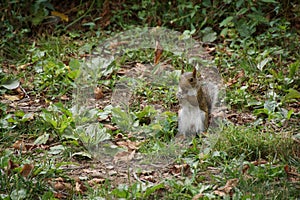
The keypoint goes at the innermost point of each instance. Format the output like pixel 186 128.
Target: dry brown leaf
pixel 20 145
pixel 178 169
pixel 230 184
pixel 210 49
pixel 149 178
pixel 116 44
pixel 11 166
pixel 27 169
pixel 240 74
pixel 59 186
pixel 59 179
pixel 108 126
pixel 158 52
pixel 219 193
pixel 96 181
pixel 79 188
pixel 98 93
pixel 13 97
pixel 129 144
pixel 24 66
pixel 60 15
pixel 64 97
pixel 124 156
pixel 93 173
pixel 245 168
pixel 259 162
pixel 60 195
pixel 197 196
pixel 119 136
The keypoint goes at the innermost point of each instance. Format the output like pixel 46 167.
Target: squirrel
pixel 196 103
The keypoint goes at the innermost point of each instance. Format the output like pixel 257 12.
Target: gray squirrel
pixel 197 99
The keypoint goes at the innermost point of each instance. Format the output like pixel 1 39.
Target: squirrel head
pixel 188 80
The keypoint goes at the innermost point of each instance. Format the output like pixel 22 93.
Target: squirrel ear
pixel 194 72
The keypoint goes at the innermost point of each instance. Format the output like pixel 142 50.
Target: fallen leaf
pixel 98 93
pixel 259 162
pixel 79 187
pixel 27 169
pixel 116 44
pixel 60 15
pixel 13 97
pixel 230 184
pixel 108 126
pixel 119 136
pixel 198 196
pixel 219 193
pixel 158 52
pixel 129 144
pixel 245 168
pixel 64 98
pixel 24 66
pixel 59 186
pixel 19 145
pixel 179 169
pixel 149 178
pixel 11 166
pixel 11 84
pixel 60 195
pixel 124 156
pixel 96 181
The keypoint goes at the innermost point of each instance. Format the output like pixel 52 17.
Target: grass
pixel 255 154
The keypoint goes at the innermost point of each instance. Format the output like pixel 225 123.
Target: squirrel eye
pixel 191 79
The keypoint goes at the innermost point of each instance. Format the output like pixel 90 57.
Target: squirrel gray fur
pixel 197 100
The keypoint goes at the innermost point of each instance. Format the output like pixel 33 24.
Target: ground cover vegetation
pixel 255 46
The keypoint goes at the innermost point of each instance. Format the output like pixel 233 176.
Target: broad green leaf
pixel 293 94
pixel 41 139
pixel 269 1
pixel 293 69
pixel 11 84
pixel 82 154
pixel 210 37
pixel 151 190
pixel 289 114
pixel 18 194
pixel 261 65
pixel 270 105
pixel 56 149
pixel 226 21
pixel 242 11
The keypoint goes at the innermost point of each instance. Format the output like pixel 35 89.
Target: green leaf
pixel 209 35
pixel 226 21
pixel 11 84
pixel 56 149
pixel 261 65
pixel 269 1
pixel 293 94
pixel 289 114
pixel 41 139
pixel 82 154
pixel 293 69
pixel 151 190
pixel 18 194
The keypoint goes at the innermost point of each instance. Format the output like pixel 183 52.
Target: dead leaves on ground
pixel 24 170
pixel 228 188
pixel 23 147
